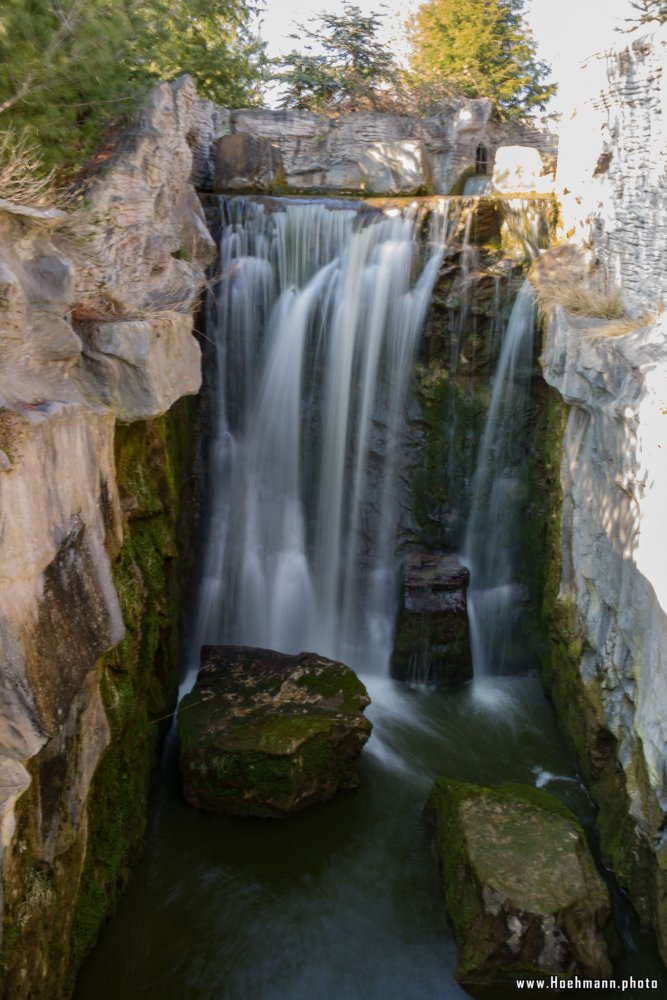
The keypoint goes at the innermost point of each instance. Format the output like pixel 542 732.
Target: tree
pixel 59 59
pixel 479 48
pixel 210 39
pixel 353 70
pixel 72 66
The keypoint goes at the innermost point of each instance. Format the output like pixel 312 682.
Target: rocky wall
pixel 606 601
pixel 612 163
pixel 96 347
pixel 359 153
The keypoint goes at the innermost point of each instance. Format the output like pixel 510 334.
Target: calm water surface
pixel 341 901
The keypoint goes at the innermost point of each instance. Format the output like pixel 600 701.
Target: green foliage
pixel 73 66
pixel 479 48
pixel 353 71
pixel 210 39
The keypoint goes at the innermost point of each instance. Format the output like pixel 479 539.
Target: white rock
pixel 142 367
pixel 614 503
pixel 612 164
pixel 517 169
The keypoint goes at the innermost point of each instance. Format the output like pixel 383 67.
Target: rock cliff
pixel 612 161
pixel 96 345
pixel 361 153
pixel 608 610
pixel 607 607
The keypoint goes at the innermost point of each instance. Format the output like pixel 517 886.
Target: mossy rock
pixel 521 888
pixel 267 734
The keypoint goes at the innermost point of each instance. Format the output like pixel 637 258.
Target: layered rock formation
pixel 612 163
pixel 607 602
pixel 432 643
pixel 362 153
pixel 96 331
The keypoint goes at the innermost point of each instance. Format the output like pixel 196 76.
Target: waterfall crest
pixel 316 316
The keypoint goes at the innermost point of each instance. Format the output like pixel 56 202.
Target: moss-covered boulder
pixel 266 734
pixel 521 888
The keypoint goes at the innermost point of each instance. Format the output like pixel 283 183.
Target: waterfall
pixel 497 593
pixel 316 319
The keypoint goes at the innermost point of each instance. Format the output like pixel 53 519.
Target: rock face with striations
pixel 95 346
pixel 520 884
pixel 358 153
pixel 267 734
pixel 607 664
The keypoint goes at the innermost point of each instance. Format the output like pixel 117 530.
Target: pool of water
pixel 341 902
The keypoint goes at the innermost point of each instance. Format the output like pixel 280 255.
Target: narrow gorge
pixel 413 451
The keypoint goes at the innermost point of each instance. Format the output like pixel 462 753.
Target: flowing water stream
pixel 497 593
pixel 310 405
pixel 317 318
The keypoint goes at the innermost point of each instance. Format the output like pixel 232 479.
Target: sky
pixel 566 31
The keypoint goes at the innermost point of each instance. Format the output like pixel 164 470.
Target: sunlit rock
pixel 612 163
pixel 522 891
pixel 142 367
pixel 267 734
pixel 383 168
pixel 517 169
pixel 608 664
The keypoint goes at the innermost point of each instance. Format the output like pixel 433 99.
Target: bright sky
pixel 566 30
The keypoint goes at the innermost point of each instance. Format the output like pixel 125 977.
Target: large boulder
pixel 266 734
pixel 521 888
pixel 432 642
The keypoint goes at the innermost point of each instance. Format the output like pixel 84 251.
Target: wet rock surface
pixel 520 884
pixel 267 734
pixel 432 636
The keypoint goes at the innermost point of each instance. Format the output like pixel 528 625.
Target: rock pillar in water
pixel 432 636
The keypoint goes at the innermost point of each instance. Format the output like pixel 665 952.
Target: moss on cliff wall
pixel 139 677
pixel 68 869
pixel 579 705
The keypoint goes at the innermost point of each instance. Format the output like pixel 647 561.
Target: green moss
pixel 528 847
pixel 139 675
pixel 330 681
pixel 579 708
pixel 183 253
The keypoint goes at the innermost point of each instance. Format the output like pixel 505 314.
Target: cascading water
pixel 497 593
pixel 317 316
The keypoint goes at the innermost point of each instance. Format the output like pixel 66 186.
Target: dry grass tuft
pixel 619 327
pixel 39 897
pixel 579 296
pixel 22 176
pixel 582 292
